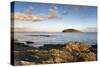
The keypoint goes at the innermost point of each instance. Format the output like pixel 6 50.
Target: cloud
pixel 19 16
pixel 90 29
pixel 21 29
pixel 28 14
pixel 52 13
pixel 22 16
pixel 29 10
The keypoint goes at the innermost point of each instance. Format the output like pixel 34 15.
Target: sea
pixel 42 38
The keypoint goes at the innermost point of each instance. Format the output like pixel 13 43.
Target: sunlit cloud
pixel 22 16
pixel 53 13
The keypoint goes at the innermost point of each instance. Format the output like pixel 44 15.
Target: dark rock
pixel 51 46
pixel 94 49
pixel 94 46
pixel 29 42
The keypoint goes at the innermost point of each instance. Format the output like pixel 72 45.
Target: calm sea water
pixel 42 38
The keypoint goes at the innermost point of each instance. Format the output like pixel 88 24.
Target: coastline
pixel 58 53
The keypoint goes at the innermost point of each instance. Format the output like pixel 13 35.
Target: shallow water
pixel 41 38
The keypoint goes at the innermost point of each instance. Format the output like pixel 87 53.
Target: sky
pixel 49 17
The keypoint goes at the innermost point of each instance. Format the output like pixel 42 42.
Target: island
pixel 71 30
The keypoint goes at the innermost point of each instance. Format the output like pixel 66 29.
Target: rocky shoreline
pixel 48 54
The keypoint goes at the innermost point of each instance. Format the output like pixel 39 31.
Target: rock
pixel 51 46
pixel 55 52
pixel 80 51
pixel 29 42
pixel 49 61
pixel 70 30
pixel 88 56
pixel 22 46
pixel 67 56
pixel 25 63
pixel 94 46
pixel 76 46
pixel 58 60
pixel 84 47
pixel 60 55
pixel 72 51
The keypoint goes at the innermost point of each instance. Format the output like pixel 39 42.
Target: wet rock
pixel 29 42
pixel 51 46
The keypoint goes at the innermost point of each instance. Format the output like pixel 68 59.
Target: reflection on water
pixel 41 38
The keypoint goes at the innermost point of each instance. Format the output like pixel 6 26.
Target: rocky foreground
pixel 61 53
